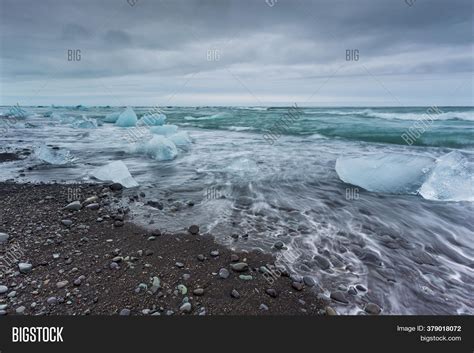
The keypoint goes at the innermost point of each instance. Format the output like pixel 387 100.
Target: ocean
pixel 377 202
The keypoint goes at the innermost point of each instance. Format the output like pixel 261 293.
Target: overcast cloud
pixel 237 52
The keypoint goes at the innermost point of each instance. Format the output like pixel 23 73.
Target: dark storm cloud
pixel 159 44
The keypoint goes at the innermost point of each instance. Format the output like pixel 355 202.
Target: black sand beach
pixel 94 261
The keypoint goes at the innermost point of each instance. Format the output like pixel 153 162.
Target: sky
pixel 244 52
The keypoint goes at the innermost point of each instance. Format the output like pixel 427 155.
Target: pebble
pixel 278 245
pixel 361 288
pixel 194 229
pixel 186 276
pixel 155 285
pixel 339 296
pixel 74 206
pixel 3 306
pixel 52 300
pixel 93 206
pixel 185 308
pixel 148 252
pixel 308 281
pixel 155 204
pixel 179 264
pixel 3 238
pixel 114 266
pixel 263 307
pixel 61 284
pixel 182 289
pixel 125 312
pixel 3 313
pixel 25 267
pixel 198 291
pixel 322 262
pixel 330 311
pixel 372 308
pixel 201 257
pixel 215 253
pixel 234 258
pixel 20 310
pixel 235 294
pixel 116 187
pixel 297 285
pixel 246 277
pixel 3 289
pixel 118 224
pixel 224 273
pixel 239 267
pixel 271 292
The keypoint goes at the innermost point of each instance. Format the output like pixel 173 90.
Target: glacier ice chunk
pixel 452 179
pixel 164 130
pixel 112 117
pixel 385 172
pixel 158 147
pixel 180 139
pixel 55 157
pixel 153 119
pixel 116 172
pixel 127 118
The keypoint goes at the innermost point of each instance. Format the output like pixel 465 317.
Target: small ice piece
pixel 158 147
pixel 116 172
pixel 55 157
pixel 164 130
pixel 84 123
pixel 180 139
pixel 127 118
pixel 153 119
pixel 112 117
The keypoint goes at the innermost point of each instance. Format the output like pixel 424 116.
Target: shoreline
pixel 95 261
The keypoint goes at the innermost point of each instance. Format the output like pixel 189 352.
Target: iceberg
pixel 55 157
pixel 452 179
pixel 127 118
pixel 153 119
pixel 164 130
pixel 180 139
pixel 158 147
pixel 389 173
pixel 112 117
pixel 116 172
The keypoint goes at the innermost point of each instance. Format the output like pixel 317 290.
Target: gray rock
pixel 235 294
pixel 360 288
pixel 186 307
pixel 25 267
pixel 263 307
pixel 297 285
pixel 215 253
pixel 271 292
pixel 124 312
pixel 198 291
pixel 61 284
pixel 182 289
pixel 330 311
pixel 155 285
pixel 234 258
pixel 155 204
pixel 93 206
pixel 224 273
pixel 20 310
pixel 239 267
pixel 116 187
pixel 118 224
pixel 278 245
pixel 322 262
pixel 186 276
pixel 308 281
pixel 3 306
pixel 339 296
pixel 3 289
pixel 179 264
pixel 201 257
pixel 245 277
pixel 114 266
pixel 12 294
pixel 52 300
pixel 194 229
pixel 4 238
pixel 74 206
pixel 3 313
pixel 372 309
